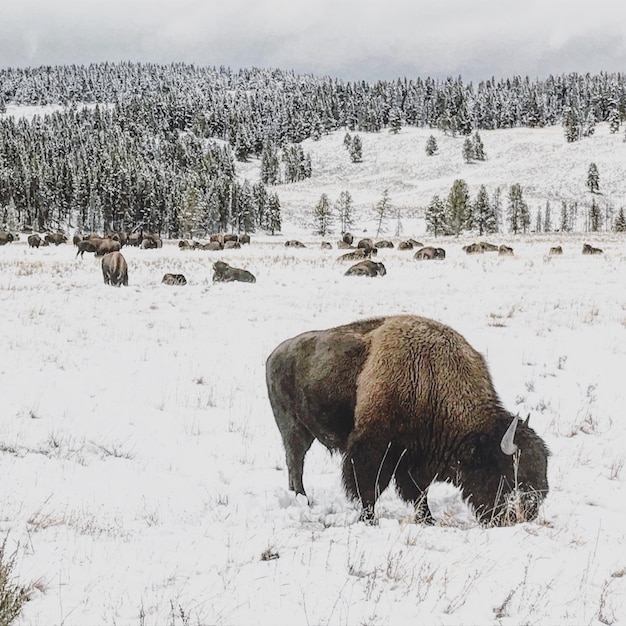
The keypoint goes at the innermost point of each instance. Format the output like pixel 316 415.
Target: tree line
pixel 158 145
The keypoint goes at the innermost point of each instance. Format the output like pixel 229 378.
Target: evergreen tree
pixel 273 214
pixel 478 147
pixel 595 217
pixel 547 219
pixel 517 211
pixel 431 146
pixel 565 221
pixel 571 125
pixel 259 194
pixel 620 223
pixel 614 119
pixel 484 217
pixel 382 209
pixel 538 221
pixel 435 217
pixel 593 178
pixel 457 208
pixel 356 149
pixel 395 120
pixel 322 215
pixel 344 208
pixel 468 150
pixel 270 166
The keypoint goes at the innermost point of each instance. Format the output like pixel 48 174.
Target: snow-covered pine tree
pixel 344 208
pixel 457 208
pixel 322 216
pixel 435 217
pixel 593 178
pixel 431 146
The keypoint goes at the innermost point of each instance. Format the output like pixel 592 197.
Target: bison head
pixel 503 472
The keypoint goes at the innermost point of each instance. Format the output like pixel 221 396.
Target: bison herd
pixel 360 252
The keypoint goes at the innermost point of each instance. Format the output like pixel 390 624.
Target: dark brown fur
pixel 174 279
pixel 5 238
pixel 34 241
pixel 367 268
pixel 556 251
pixel 505 250
pixel 588 249
pixel 86 245
pixel 400 397
pixel 429 253
pixel 55 238
pixel 224 273
pixel 115 269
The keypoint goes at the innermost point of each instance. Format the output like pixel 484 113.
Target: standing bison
pixel 34 240
pixel 408 398
pixel 115 269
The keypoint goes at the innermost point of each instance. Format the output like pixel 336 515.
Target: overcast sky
pixel 347 39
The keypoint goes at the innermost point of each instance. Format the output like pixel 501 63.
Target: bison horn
pixel 506 445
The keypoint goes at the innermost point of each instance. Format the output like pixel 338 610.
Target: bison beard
pixel 408 398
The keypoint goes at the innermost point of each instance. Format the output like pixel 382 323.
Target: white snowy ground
pixel 143 480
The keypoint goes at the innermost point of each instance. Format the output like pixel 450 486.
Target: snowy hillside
pixel 143 476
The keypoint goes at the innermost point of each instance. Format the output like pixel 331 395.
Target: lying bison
pixel 357 254
pixel 404 397
pixel 429 253
pixel 505 251
pixel 556 251
pixel 366 268
pixel 174 279
pixel 114 269
pixel 224 273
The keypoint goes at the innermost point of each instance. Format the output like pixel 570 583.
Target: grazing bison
pixel 174 279
pixel 55 238
pixel 555 251
pixel 244 239
pixel 114 269
pixel 34 240
pixel 587 249
pixel 108 245
pixel 6 237
pixel 224 273
pixel 505 250
pixel 408 398
pixel 86 245
pixel 429 253
pixel 366 268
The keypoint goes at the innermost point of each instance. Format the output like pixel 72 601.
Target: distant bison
pixel 174 279
pixel 505 250
pixel 34 240
pixel 366 268
pixel 6 237
pixel 107 245
pixel 244 239
pixel 429 253
pixel 488 247
pixel 408 398
pixel 86 245
pixel 384 243
pixel 405 245
pixel 326 245
pixel 555 251
pixel 358 254
pixel 588 249
pixel 473 248
pixel 294 243
pixel 55 238
pixel 114 269
pixel 224 273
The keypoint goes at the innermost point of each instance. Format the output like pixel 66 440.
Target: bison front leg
pixel 368 467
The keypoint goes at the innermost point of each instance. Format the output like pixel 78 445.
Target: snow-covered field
pixel 143 477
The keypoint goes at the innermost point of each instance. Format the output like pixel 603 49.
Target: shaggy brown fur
pixel 401 397
pixel 174 279
pixel 429 253
pixel 115 269
pixel 224 273
pixel 588 249
pixel 34 241
pixel 86 245
pixel 556 250
pixel 366 268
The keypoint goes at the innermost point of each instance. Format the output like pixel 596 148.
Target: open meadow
pixel 144 480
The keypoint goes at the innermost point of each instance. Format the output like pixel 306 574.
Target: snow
pixel 143 476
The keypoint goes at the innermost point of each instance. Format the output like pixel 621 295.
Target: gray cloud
pixel 347 39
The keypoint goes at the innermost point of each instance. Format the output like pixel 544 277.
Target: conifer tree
pixel 431 146
pixel 356 149
pixel 547 219
pixel 273 214
pixel 478 147
pixel 435 217
pixel 593 178
pixel 468 150
pixel 457 208
pixel 395 120
pixel 595 217
pixel 565 221
pixel 344 208
pixel 322 215
pixel 517 210
pixel 483 214
pixel 620 222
